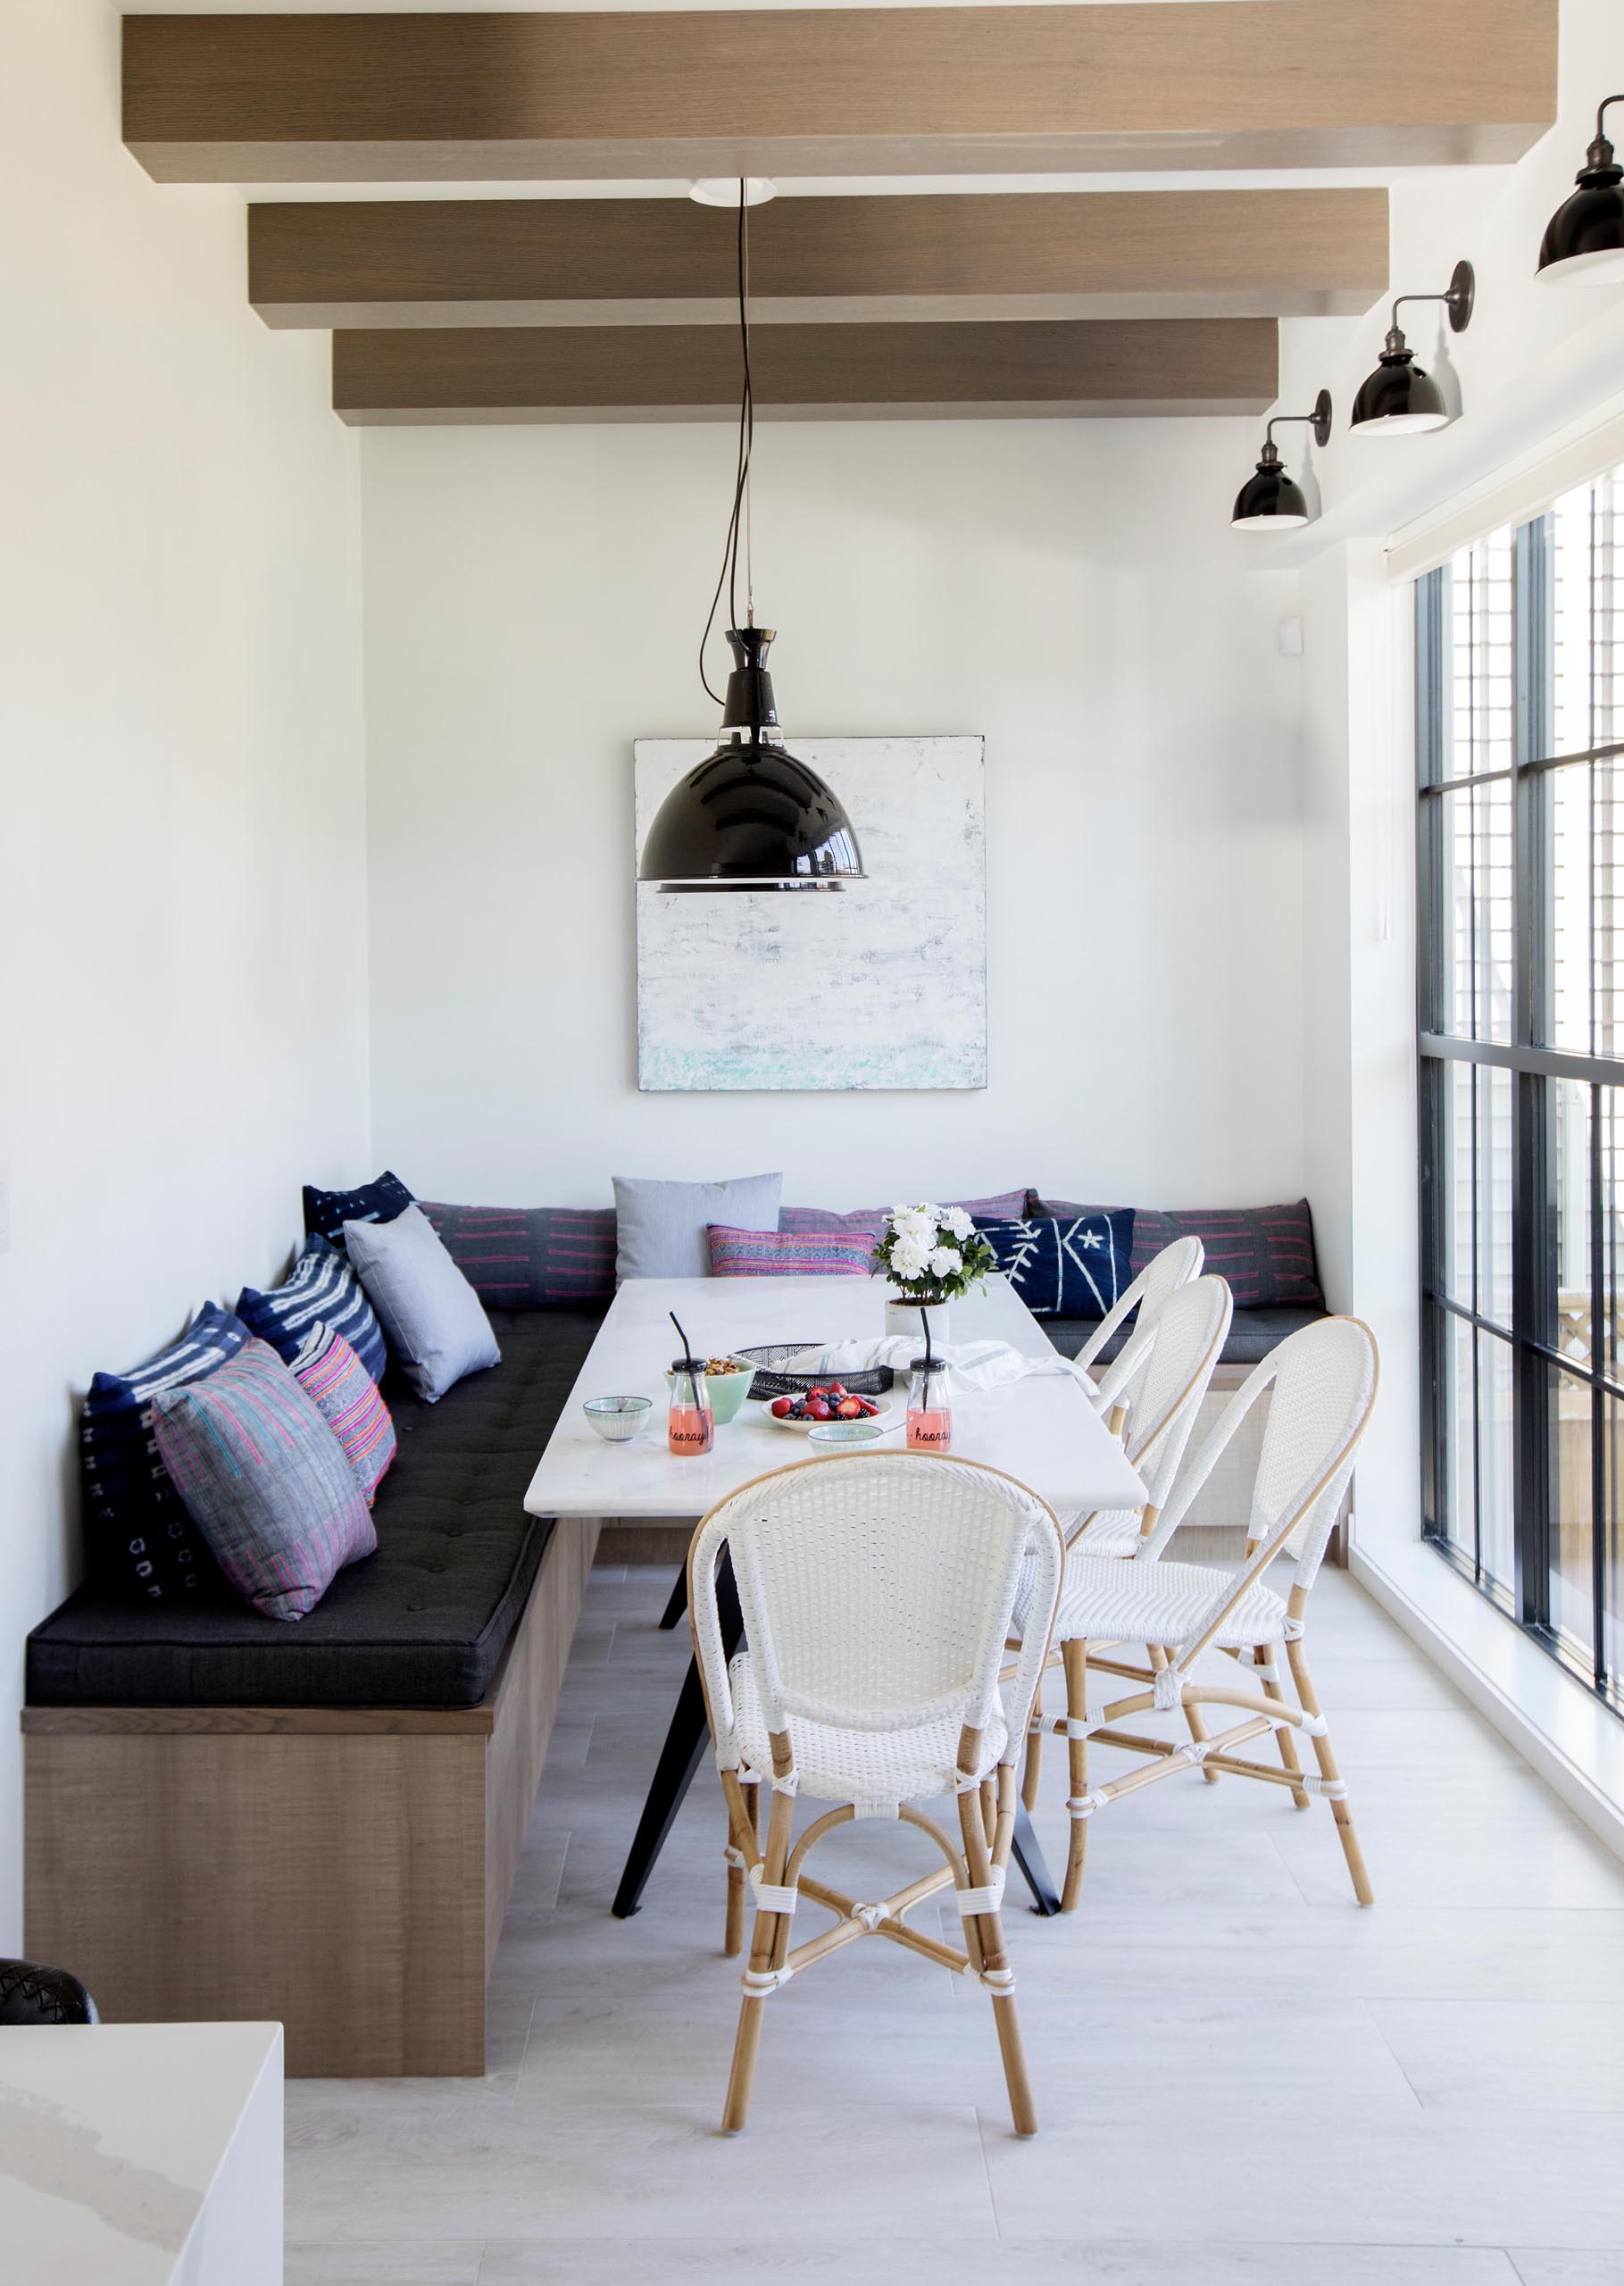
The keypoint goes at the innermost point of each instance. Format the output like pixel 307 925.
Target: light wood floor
pixel 1241 2078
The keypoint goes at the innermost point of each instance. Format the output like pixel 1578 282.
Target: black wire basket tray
pixel 772 1381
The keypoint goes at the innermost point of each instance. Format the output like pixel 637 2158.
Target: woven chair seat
pixel 1161 1603
pixel 1114 1531
pixel 865 1767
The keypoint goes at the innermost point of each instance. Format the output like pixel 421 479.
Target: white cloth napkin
pixel 971 1365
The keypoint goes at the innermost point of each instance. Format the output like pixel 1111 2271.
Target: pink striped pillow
pixel 790 1253
pixel 332 1376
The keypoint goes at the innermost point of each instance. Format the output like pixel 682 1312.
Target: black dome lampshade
pixel 751 816
pixel 1270 500
pixel 1583 240
pixel 1399 398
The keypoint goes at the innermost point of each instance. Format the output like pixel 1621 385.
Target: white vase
pixel 910 1317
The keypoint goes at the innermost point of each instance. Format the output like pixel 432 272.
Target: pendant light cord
pixel 727 577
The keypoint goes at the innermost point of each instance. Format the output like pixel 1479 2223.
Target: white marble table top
pixel 112 2137
pixel 1042 1431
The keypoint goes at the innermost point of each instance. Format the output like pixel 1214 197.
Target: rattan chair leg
pixel 1290 1760
pixel 1331 1776
pixel 768 1944
pixel 1031 1768
pixel 984 1935
pixel 1074 1654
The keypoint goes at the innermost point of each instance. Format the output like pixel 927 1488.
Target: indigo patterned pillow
pixel 139 1539
pixel 265 1480
pixel 320 1289
pixel 349 1399
pixel 1065 1267
pixel 790 1253
pixel 531 1258
pixel 1266 1254
pixel 326 1211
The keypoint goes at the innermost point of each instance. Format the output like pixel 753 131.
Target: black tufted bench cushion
pixel 423 1622
pixel 1253 1333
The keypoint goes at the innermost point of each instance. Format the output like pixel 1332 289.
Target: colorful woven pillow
pixel 1065 1266
pixel 531 1258
pixel 139 1539
pixel 326 1211
pixel 320 1289
pixel 1266 1253
pixel 346 1397
pixel 790 1253
pixel 265 1480
pixel 1008 1206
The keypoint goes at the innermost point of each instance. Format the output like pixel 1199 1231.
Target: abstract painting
pixel 881 986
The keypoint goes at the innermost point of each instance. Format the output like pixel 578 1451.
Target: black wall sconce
pixel 1268 500
pixel 1399 399
pixel 1583 240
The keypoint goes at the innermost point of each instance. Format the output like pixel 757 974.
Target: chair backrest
pixel 1162 1276
pixel 1164 1393
pixel 877 1591
pixel 1323 1380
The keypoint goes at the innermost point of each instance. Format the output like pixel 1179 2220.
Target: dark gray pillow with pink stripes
pixel 1265 1253
pixel 530 1257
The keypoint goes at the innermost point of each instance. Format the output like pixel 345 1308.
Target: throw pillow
pixel 1266 1253
pixel 139 1539
pixel 662 1225
pixel 531 1258
pixel 326 1211
pixel 431 1315
pixel 1065 1267
pixel 790 1253
pixel 265 1480
pixel 1008 1206
pixel 320 1289
pixel 349 1399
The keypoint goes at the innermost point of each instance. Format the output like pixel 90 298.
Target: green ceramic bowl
pixel 727 1392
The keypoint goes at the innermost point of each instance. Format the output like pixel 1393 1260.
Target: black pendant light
pixel 1268 500
pixel 1583 240
pixel 1399 399
pixel 751 816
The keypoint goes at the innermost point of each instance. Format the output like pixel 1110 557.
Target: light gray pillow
pixel 661 1226
pixel 433 1319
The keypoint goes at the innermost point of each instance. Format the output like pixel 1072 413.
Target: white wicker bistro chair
pixel 1174 1377
pixel 1324 1380
pixel 1162 1276
pixel 876 1591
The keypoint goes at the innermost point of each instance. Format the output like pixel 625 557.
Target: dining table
pixel 1042 1428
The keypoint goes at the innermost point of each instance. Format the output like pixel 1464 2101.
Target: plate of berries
pixel 824 1401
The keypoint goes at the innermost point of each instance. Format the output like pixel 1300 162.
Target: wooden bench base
pixel 343 1870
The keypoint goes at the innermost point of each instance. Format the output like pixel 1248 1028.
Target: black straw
pixel 688 1357
pixel 925 1322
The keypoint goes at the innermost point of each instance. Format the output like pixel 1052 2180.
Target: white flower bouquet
pixel 932 1253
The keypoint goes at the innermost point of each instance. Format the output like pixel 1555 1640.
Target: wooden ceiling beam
pixel 520 95
pixel 423 376
pixel 1310 252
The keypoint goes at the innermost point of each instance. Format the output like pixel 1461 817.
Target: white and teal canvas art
pixel 881 986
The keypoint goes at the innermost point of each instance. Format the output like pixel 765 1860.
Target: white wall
pixel 533 603
pixel 182 899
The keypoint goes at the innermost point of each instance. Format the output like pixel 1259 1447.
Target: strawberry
pixel 782 1408
pixel 850 1408
pixel 817 1407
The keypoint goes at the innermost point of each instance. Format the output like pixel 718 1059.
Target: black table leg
pixel 1029 1857
pixel 679 1603
pixel 679 1758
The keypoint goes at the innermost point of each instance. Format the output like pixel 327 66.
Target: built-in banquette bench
pixel 231 1817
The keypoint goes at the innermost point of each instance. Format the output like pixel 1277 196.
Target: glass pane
pixel 1454 1235
pixel 1611 1359
pixel 1492 948
pixel 1494 1196
pixel 1477 708
pixel 1612 1596
pixel 1496 1502
pixel 1570 1103
pixel 1570 816
pixel 1607 904
pixel 1453 816
pixel 1460 1477
pixel 1587 583
pixel 1571 1411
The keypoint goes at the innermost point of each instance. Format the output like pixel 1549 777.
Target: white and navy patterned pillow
pixel 326 1211
pixel 320 1289
pixel 139 1539
pixel 1071 1267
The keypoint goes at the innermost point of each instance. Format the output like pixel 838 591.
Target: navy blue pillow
pixel 321 1289
pixel 326 1211
pixel 1075 1266
pixel 139 1537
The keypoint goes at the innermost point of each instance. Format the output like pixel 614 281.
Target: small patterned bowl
pixel 618 1419
pixel 845 1436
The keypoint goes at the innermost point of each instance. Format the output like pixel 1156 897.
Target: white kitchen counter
pixel 141 2154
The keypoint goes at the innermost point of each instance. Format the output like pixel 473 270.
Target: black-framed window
pixel 1519 676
